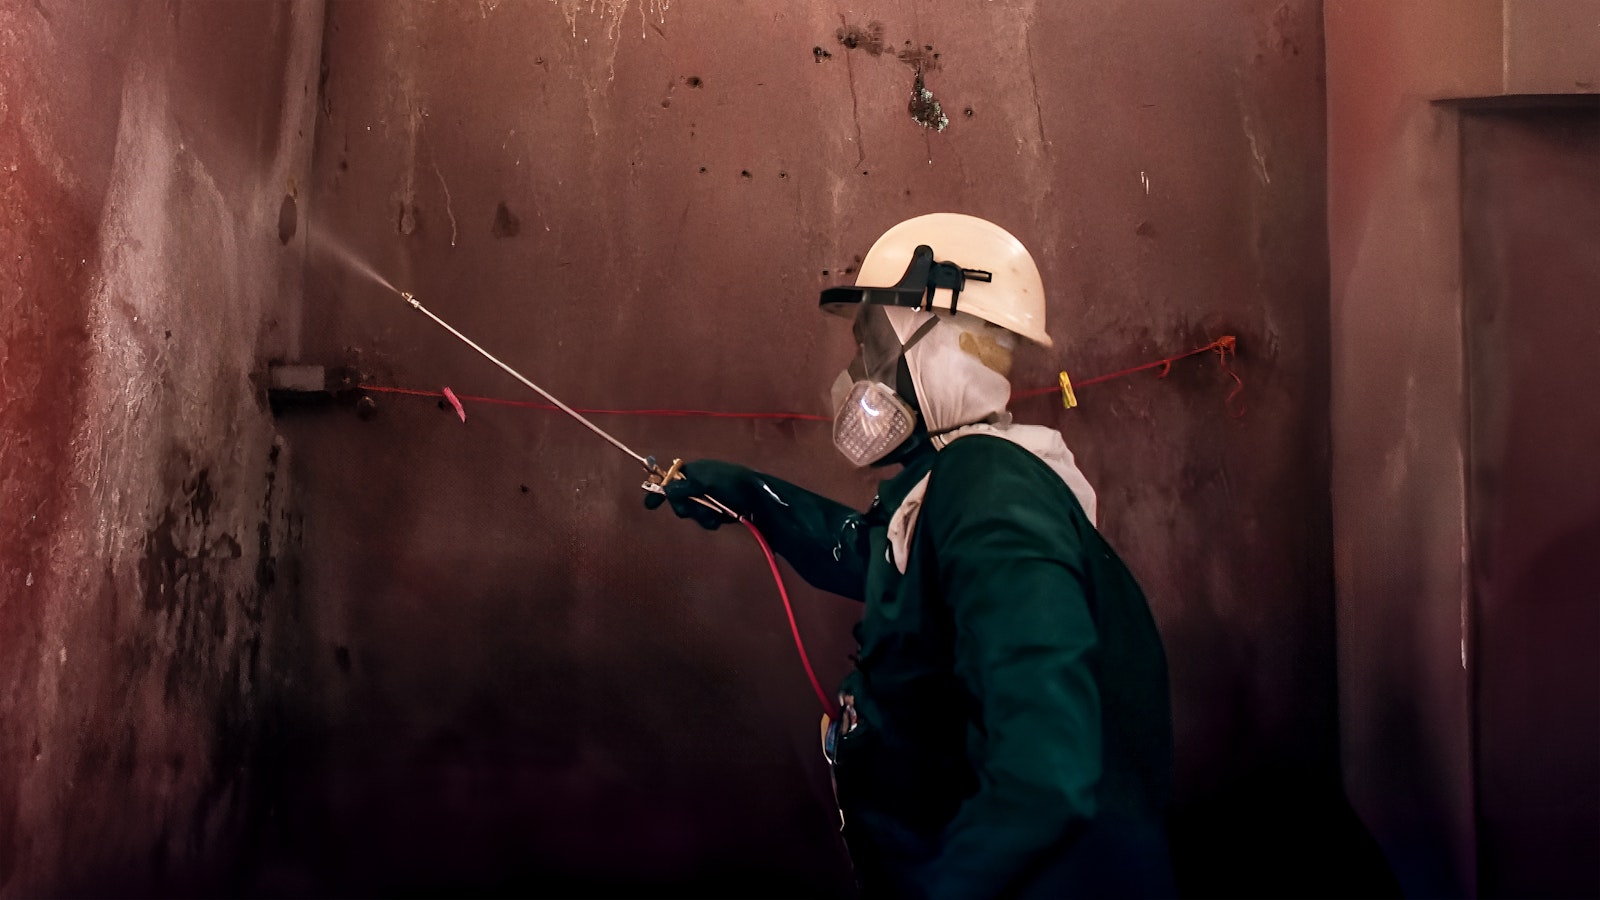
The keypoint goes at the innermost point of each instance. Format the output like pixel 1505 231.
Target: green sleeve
pixel 1008 556
pixel 825 541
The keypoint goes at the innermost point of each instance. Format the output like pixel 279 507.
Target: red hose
pixel 799 644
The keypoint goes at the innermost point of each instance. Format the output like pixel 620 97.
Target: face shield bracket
pixel 915 290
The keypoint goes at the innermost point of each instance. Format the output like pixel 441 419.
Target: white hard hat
pixel 970 265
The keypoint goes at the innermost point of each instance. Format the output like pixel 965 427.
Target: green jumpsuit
pixel 1013 732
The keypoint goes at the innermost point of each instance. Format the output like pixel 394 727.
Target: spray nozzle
pixel 411 298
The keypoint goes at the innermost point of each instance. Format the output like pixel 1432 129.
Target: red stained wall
pixel 148 152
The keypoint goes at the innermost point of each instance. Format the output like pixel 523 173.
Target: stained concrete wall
pixel 1531 246
pixel 1400 409
pixel 1399 502
pixel 151 155
pixel 525 679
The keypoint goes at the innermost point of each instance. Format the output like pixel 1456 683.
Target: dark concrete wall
pixel 1531 231
pixel 1398 427
pixel 1400 405
pixel 525 679
pixel 148 152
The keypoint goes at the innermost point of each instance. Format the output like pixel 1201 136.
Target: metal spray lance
pixel 656 477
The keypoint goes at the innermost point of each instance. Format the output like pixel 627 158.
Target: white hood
pixel 960 395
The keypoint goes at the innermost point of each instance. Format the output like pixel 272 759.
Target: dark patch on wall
pixel 923 58
pixel 326 103
pixel 160 564
pixel 189 573
pixel 867 37
pixel 174 554
pixel 203 640
pixel 266 560
pixel 288 219
pixel 820 54
pixel 506 224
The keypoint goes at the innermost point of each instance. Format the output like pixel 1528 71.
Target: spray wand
pixel 656 477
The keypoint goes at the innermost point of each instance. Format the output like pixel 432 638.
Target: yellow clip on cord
pixel 1068 398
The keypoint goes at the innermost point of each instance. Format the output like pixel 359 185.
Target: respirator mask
pixel 870 417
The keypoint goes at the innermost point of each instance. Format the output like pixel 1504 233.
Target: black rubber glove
pixel 826 541
pixel 727 482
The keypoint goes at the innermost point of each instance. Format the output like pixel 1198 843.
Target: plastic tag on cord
pixel 460 410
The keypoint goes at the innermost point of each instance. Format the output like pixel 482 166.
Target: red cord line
pixel 1224 347
pixel 667 413
pixel 799 644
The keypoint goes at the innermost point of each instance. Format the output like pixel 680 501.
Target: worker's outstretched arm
pixel 825 541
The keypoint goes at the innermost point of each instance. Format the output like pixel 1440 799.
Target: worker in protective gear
pixel 1006 730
